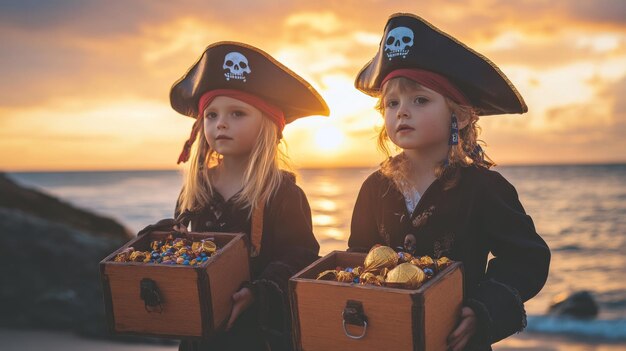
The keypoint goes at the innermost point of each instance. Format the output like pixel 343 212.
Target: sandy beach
pixel 27 340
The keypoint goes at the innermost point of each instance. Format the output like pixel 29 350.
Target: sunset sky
pixel 85 84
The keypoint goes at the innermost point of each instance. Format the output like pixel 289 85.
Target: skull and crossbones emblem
pixel 237 66
pixel 399 41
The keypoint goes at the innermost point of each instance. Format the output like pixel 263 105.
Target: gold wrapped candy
pixel 406 275
pixel 207 246
pixel 424 262
pixel 366 278
pixel 195 246
pixel 442 263
pixel 371 278
pixel 124 255
pixel 344 277
pixel 137 256
pixel 380 257
pixel 178 243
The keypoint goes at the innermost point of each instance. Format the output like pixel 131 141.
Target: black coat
pixel 287 246
pixel 481 214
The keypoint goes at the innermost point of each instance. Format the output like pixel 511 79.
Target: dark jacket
pixel 481 214
pixel 288 245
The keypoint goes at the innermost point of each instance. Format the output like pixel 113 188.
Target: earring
pixel 454 131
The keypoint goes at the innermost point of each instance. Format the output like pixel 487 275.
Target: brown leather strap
pixel 257 229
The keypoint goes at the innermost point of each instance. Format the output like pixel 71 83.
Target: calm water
pixel 579 210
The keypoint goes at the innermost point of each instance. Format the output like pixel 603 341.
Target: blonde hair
pixel 261 178
pixel 461 155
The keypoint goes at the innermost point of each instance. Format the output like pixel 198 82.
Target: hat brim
pixel 264 77
pixel 488 89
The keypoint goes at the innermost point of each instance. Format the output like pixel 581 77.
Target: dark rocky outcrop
pixel 580 304
pixel 44 206
pixel 49 255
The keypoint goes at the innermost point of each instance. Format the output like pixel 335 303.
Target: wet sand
pixel 546 342
pixel 26 340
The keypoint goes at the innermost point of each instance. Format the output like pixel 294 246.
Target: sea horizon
pixel 530 164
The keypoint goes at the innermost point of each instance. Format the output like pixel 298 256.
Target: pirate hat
pixel 409 42
pixel 238 66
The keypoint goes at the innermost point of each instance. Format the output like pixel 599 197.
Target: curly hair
pixel 467 152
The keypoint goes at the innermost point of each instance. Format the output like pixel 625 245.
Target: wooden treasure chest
pixel 330 315
pixel 174 300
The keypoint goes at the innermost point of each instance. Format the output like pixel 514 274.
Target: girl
pixel 437 197
pixel 241 99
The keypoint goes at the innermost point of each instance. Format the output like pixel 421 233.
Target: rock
pixel 580 304
pixel 36 203
pixel 49 262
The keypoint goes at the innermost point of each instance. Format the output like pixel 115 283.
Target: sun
pixel 329 138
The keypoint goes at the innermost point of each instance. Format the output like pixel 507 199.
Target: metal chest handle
pixel 149 293
pixel 353 314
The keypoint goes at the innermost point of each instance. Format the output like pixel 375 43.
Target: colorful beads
pixel 171 251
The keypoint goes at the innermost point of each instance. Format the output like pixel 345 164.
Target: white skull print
pixel 237 66
pixel 399 41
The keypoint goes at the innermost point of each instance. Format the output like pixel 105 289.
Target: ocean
pixel 580 210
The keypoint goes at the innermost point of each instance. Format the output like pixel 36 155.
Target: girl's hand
pixel 459 338
pixel 180 228
pixel 242 299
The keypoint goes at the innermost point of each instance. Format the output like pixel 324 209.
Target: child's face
pixel 231 126
pixel 418 118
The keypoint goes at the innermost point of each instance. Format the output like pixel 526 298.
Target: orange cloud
pixel 85 85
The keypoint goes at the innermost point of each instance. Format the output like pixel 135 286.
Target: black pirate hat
pixel 238 66
pixel 411 42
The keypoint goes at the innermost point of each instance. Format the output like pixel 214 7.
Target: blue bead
pixel 428 271
pixel 186 262
pixel 204 258
pixel 203 254
pixel 355 280
pixel 349 270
